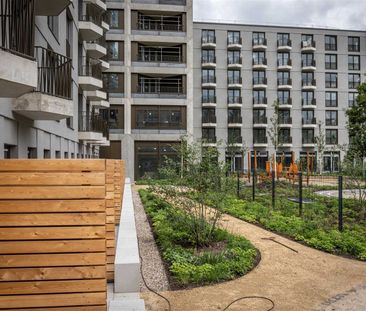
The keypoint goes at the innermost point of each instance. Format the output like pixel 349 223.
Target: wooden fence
pixel 56 224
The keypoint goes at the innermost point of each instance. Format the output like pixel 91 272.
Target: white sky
pixel 346 14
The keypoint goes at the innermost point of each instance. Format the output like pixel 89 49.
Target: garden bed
pixel 226 257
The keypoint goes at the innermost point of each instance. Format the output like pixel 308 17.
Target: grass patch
pixel 226 258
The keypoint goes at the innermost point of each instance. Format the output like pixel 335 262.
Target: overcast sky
pixel 349 14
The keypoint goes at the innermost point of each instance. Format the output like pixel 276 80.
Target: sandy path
pixel 294 281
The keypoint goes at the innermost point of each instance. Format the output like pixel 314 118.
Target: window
pixel 58 154
pixel 208 115
pixel 352 99
pixel 331 80
pixel 115 19
pixel 353 44
pixel 308 117
pixel 46 154
pixel 331 117
pixel 208 56
pixel 234 96
pixel 208 36
pixel 331 161
pixel 331 137
pixel 259 116
pixel 114 51
pixel 113 82
pixel 307 78
pixel 234 57
pixel 331 43
pixel 353 62
pixel 208 95
pixel 308 136
pixel 53 25
pixel 307 40
pixel 233 37
pixel 234 76
pixel 209 134
pixel 259 136
pixel 259 58
pixel 284 136
pixel 259 38
pixel 9 151
pixel 307 60
pixel 259 97
pixel 208 76
pixel 32 153
pixel 234 116
pixel 283 39
pixel 354 80
pixel 259 77
pixel 308 98
pixel 331 99
pixel 283 97
pixel 283 59
pixel 234 135
pixel 331 61
pixel 284 116
pixel 283 78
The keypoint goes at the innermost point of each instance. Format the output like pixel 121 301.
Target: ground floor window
pixel 235 162
pixel 261 158
pixel 331 161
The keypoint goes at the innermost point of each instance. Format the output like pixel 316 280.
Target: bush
pixel 187 264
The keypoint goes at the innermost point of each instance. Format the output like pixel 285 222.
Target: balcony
pixel 284 64
pixel 285 103
pixel 160 88
pixel 234 101
pixel 260 121
pixel 260 102
pixel 208 101
pixel 260 141
pixel 209 121
pixel 98 4
pixel 235 121
pixel 234 43
pixel 309 104
pixel 260 83
pixel 234 82
pixel 90 75
pixel 160 23
pixel 259 63
pixel 209 81
pixel 50 8
pixel 285 141
pixel 308 65
pixel 90 28
pixel 96 49
pixel 284 83
pixel 160 54
pixel 259 43
pixel 285 122
pixel 52 98
pixel 284 45
pixel 309 123
pixel 234 62
pixel 208 42
pixel 308 84
pixel 208 62
pixel 92 128
pixel 308 46
pixel 18 68
pixel 309 142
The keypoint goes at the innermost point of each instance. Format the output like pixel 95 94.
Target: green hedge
pixel 187 266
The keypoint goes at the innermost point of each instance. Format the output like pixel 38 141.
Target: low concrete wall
pixel 127 262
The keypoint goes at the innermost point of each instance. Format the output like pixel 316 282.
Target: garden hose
pixel 251 297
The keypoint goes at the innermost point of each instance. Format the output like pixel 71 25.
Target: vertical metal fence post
pixel 300 194
pixel 253 184
pixel 340 203
pixel 273 188
pixel 238 184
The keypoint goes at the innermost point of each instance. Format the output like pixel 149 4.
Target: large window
pixel 114 50
pixel 307 60
pixel 283 59
pixel 308 117
pixel 234 96
pixel 208 76
pixel 208 36
pixel 331 137
pixel 331 80
pixel 331 99
pixel 259 97
pixel 308 136
pixel 330 43
pixel 353 62
pixel 259 116
pixel 259 58
pixel 208 56
pixel 307 98
pixel 260 136
pixel 331 117
pixel 331 61
pixel 234 76
pixel 354 80
pixel 283 97
pixel 113 82
pixel 209 134
pixel 233 57
pixel 208 115
pixel 209 95
pixel 115 19
pixel 283 39
pixel 259 38
pixel 259 77
pixel 159 117
pixel 233 37
pixel 352 98
pixel 353 44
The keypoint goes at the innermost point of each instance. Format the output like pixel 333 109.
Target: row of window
pixel 284 39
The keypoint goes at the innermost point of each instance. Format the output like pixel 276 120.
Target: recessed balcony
pixel 259 63
pixel 209 101
pixel 259 83
pixel 234 43
pixel 284 84
pixel 284 64
pixel 235 121
pixel 159 87
pixel 260 122
pixel 90 28
pixel 209 121
pixel 260 102
pixel 308 46
pixel 52 98
pixel 209 82
pixel 50 8
pixel 308 84
pixel 308 65
pixel 235 101
pixel 159 24
pixel 92 128
pixel 309 123
pixel 234 62
pixel 208 62
pixel 234 82
pixel 309 104
pixel 90 75
pixel 96 49
pixel 259 43
pixel 208 42
pixel 260 142
pixel 284 45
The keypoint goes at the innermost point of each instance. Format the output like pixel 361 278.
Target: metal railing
pixel 310 140
pixel 208 79
pixel 234 40
pixel 330 46
pixel 17 27
pixel 353 84
pixel 209 139
pixel 259 41
pixel 234 80
pixel 160 54
pixel 284 101
pixel 284 62
pixel 54 73
pixel 235 100
pixel 310 102
pixel 234 60
pixel 308 44
pixel 284 42
pixel 284 81
pixel 208 99
pixel 260 120
pixel 308 82
pixel 91 67
pixel 208 39
pixel 260 101
pixel 285 139
pixel 235 139
pixel 353 48
pixel 308 120
pixel 260 80
pixel 89 122
pixel 260 140
pixel 209 119
pixel 259 61
pixel 160 86
pixel 235 119
pixel 284 120
pixel 308 63
pixel 208 59
pixel 159 23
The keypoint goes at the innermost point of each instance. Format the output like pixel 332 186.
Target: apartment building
pixel 51 78
pixel 241 70
pixel 149 82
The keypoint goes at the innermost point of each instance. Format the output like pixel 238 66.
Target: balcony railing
pixel 284 62
pixel 260 101
pixel 259 41
pixel 89 122
pixel 234 60
pixel 208 99
pixel 287 120
pixel 235 139
pixel 284 81
pixel 164 55
pixel 54 73
pixel 308 82
pixel 17 27
pixel 208 39
pixel 285 101
pixel 235 119
pixel 94 18
pixel 260 80
pixel 91 68
pixel 309 121
pixel 284 42
pixel 235 100
pixel 260 140
pixel 260 120
pixel 285 139
pixel 208 59
pixel 309 102
pixel 160 86
pixel 234 40
pixel 308 63
pixel 209 119
pixel 209 139
pixel 159 23
pixel 308 44
pixel 234 80
pixel 208 79
pixel 310 140
pixel 259 61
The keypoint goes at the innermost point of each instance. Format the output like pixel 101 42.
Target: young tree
pixel 233 148
pixel 320 146
pixel 274 131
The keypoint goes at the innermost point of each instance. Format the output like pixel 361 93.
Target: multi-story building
pixel 241 70
pixel 50 78
pixel 150 81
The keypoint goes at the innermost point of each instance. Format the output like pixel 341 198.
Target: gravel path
pixel 152 266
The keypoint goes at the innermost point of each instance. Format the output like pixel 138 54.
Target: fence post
pixel 300 194
pixel 253 184
pixel 340 203
pixel 273 189
pixel 238 184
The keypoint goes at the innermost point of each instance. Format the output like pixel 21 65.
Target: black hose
pixel 251 297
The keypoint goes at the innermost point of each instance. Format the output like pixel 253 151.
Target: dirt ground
pixel 304 280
